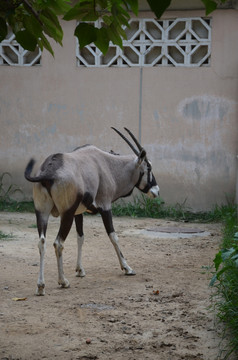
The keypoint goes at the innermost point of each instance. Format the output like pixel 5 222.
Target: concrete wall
pixel 188 115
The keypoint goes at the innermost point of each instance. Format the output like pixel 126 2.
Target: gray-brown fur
pixel 87 170
pixel 88 178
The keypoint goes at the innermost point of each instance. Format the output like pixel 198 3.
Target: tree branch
pixel 32 10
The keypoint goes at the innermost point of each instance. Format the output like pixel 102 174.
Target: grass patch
pixel 32 226
pixel 15 206
pixel 7 188
pixel 142 206
pixel 139 206
pixel 225 282
pixel 7 192
pixel 4 236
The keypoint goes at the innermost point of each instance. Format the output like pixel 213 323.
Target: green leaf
pixel 218 260
pixel 72 13
pixel 51 16
pixel 236 262
pixel 210 6
pixel 121 32
pixel 226 253
pixel 117 10
pixel 107 19
pixel 90 16
pixel 32 25
pixel 44 43
pixel 103 40
pixel 213 280
pixel 132 5
pixel 26 40
pixel 51 30
pixel 103 4
pixel 122 20
pixel 60 7
pixel 86 34
pixel 234 257
pixel 219 273
pixel 114 36
pixel 51 25
pixel 80 10
pixel 3 29
pixel 159 6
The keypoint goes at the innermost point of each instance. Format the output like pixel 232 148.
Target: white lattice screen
pixel 172 42
pixel 11 53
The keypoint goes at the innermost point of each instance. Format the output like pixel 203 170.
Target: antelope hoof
pixel 40 290
pixel 129 272
pixel 80 273
pixel 64 283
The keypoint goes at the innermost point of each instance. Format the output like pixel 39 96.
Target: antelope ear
pixel 141 157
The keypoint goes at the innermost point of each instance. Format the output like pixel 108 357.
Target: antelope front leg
pixel 80 240
pixel 124 266
pixel 80 272
pixel 107 220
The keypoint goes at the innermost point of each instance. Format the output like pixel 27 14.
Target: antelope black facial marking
pixel 150 179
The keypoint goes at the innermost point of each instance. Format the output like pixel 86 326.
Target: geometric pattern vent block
pixel 170 42
pixel 13 54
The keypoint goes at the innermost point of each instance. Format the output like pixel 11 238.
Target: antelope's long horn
pixel 127 141
pixel 133 138
pixel 136 142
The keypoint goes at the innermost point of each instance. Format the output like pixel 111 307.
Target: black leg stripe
pixel 67 219
pixel 79 224
pixel 87 200
pixel 41 224
pixel 107 220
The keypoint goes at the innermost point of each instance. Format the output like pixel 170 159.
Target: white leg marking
pixel 41 281
pixel 124 266
pixel 79 267
pixel 58 245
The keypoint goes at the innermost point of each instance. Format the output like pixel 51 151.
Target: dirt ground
pixel 161 313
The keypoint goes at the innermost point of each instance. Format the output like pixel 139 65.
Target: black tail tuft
pixel 29 170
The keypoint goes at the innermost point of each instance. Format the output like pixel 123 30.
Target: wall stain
pixel 56 107
pixel 206 107
pixel 157 119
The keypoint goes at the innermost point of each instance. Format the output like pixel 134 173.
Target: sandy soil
pixel 161 313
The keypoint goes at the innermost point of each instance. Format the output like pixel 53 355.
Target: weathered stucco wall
pixel 188 115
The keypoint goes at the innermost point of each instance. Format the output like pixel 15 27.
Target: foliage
pixel 4 236
pixel 225 281
pixel 35 21
pixel 211 5
pixel 139 206
pixel 15 206
pixel 6 191
pixel 142 206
